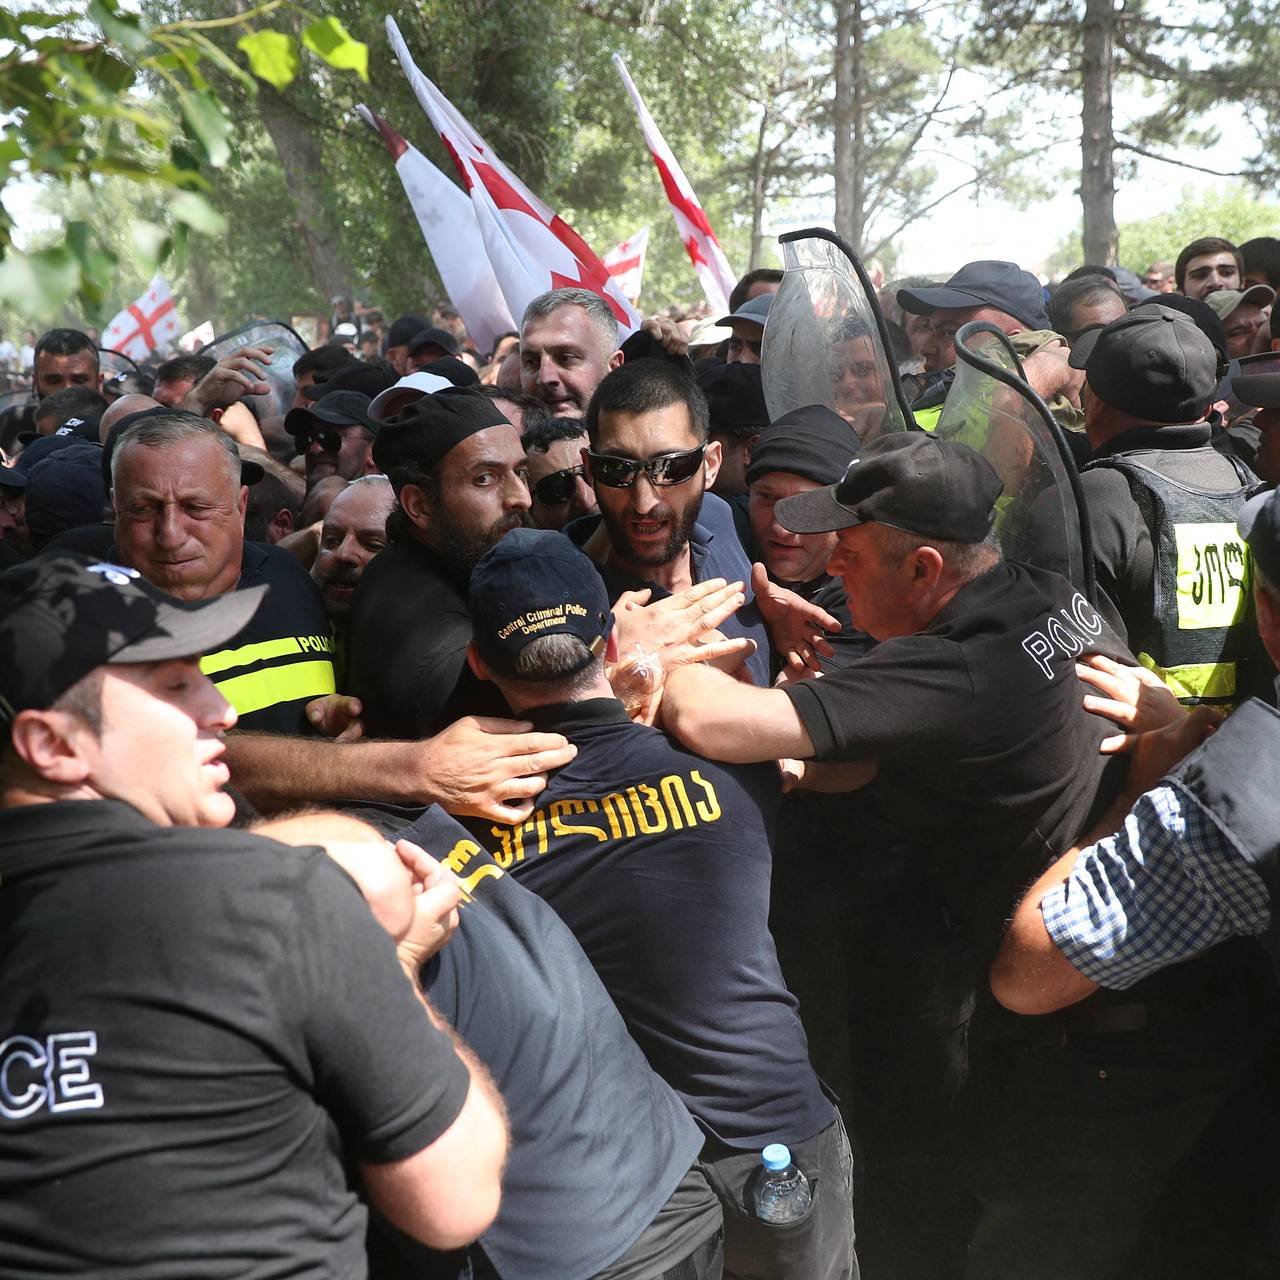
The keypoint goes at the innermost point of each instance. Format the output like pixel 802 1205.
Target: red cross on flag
pixel 714 273
pixel 146 325
pixel 530 247
pixel 449 227
pixel 626 263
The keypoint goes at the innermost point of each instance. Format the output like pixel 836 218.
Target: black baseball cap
pixel 1206 319
pixel 428 428
pixel 1259 526
pixel 432 337
pixel 535 583
pixel 811 441
pixel 405 329
pixel 735 398
pixel 986 283
pixel 63 615
pixel 1154 363
pixel 337 409
pixel 909 480
pixel 453 370
pixel 15 475
pixel 65 491
pixel 368 378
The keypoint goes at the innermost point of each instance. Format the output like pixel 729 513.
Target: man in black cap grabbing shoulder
pixel 1163 504
pixel 659 862
pixel 458 472
pixel 965 724
pixel 186 1089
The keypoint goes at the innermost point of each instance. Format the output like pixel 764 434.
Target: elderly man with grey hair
pixel 180 507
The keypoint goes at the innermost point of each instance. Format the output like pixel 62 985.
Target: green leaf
pixel 124 28
pixel 272 55
pixel 334 43
pixel 150 244
pixel 36 285
pixel 208 122
pixel 109 71
pixel 10 150
pixel 197 213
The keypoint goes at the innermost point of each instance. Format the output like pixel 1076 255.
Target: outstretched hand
pixel 242 373
pixel 796 627
pixel 1134 697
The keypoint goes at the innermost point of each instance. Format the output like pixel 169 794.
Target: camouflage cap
pixel 63 615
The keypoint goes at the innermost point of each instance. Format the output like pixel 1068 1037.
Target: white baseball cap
pixel 386 404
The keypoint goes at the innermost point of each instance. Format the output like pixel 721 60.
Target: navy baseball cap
pixel 1259 526
pixel 909 480
pixel 63 615
pixel 336 409
pixel 432 337
pixel 986 283
pixel 536 583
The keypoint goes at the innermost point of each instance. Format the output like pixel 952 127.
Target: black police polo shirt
pixel 988 762
pixel 199 1030
pixel 660 863
pixel 598 1141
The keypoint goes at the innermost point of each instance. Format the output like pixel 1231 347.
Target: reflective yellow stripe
pixel 927 419
pixel 225 659
pixel 267 688
pixel 1196 679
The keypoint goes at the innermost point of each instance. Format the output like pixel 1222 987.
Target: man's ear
pixel 615 360
pixel 611 647
pixel 281 525
pixel 926 567
pixel 712 460
pixel 476 663
pixel 51 744
pixel 242 502
pixel 415 503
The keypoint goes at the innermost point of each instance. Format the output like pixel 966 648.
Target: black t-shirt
pixel 96 540
pixel 284 657
pixel 660 862
pixel 406 647
pixel 598 1142
pixel 987 760
pixel 201 1029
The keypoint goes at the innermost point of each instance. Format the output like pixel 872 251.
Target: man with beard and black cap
pixel 401 334
pixel 458 471
pixel 1163 503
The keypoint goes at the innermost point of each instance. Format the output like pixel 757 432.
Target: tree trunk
pixel 304 168
pixel 1097 144
pixel 759 187
pixel 850 105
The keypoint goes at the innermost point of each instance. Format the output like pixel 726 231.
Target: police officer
pixel 659 862
pixel 1163 504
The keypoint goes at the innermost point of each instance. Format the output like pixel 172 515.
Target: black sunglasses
pixel 668 468
pixel 330 440
pixel 556 488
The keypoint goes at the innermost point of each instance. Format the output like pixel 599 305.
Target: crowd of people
pixel 461 807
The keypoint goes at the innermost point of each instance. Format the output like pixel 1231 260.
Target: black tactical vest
pixel 1202 640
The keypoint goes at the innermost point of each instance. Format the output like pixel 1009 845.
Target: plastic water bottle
pixel 782 1191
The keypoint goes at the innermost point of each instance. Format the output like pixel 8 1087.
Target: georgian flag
pixel 449 227
pixel 145 325
pixel 530 247
pixel 626 263
pixel 714 273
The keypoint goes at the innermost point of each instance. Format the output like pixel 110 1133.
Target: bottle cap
pixel 776 1156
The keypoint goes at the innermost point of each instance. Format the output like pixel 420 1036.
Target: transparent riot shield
pixel 825 340
pixel 1040 517
pixel 114 364
pixel 10 423
pixel 1249 379
pixel 285 346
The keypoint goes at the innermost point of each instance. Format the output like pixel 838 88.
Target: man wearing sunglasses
pixel 558 481
pixel 335 435
pixel 650 462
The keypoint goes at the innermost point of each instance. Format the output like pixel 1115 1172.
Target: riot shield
pixel 1040 517
pixel 11 422
pixel 114 364
pixel 286 348
pixel 825 340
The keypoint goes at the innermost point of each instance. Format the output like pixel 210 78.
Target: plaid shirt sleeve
pixel 1164 888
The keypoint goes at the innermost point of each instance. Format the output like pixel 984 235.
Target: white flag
pixel 531 248
pixel 146 325
pixel 448 225
pixel 714 273
pixel 626 263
